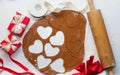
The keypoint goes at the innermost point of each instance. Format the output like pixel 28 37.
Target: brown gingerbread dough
pixel 72 24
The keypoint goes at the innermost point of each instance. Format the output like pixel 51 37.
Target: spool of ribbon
pixel 89 68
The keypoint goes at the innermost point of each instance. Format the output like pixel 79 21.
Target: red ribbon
pixel 89 68
pixel 27 72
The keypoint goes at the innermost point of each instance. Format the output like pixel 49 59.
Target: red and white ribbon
pixel 10 44
pixel 18 24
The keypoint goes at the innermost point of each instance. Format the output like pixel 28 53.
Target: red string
pixel 14 72
pixel 19 64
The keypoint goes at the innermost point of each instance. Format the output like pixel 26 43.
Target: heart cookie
pixel 42 62
pixel 58 39
pixel 51 51
pixel 44 32
pixel 37 47
pixel 62 35
pixel 57 65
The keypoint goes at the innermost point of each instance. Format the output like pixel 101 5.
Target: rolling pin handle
pixel 91 4
pixel 110 72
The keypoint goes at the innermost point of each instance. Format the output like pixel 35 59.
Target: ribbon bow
pixel 17 19
pixel 10 44
pixel 90 68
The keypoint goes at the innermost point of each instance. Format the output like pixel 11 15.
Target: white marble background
pixel 111 14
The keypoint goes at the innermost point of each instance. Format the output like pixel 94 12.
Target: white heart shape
pixel 37 47
pixel 50 51
pixel 44 32
pixel 43 62
pixel 57 65
pixel 58 39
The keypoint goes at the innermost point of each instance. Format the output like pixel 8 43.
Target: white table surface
pixel 111 14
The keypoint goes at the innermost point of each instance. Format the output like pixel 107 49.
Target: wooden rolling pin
pixel 101 38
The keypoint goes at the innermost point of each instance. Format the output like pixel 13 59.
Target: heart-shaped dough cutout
pixel 57 65
pixel 43 62
pixel 44 32
pixel 37 47
pixel 51 51
pixel 58 39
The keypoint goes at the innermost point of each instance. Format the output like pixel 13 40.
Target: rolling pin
pixel 101 39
